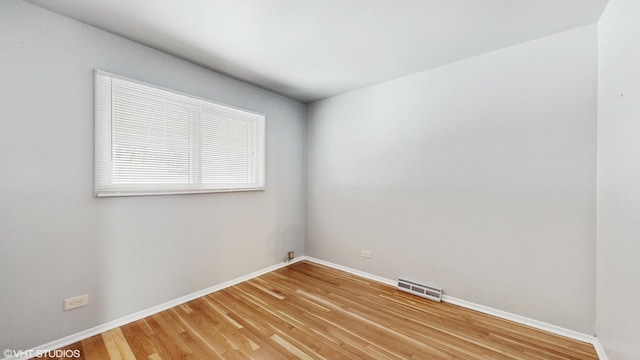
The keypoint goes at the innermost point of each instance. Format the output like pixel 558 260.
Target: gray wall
pixel 479 176
pixel 128 254
pixel 618 311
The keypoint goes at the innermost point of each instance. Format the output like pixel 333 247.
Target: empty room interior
pixel 251 179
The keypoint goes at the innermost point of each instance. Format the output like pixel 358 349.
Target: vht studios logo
pixel 40 353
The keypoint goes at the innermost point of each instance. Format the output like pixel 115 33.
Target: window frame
pixel 103 148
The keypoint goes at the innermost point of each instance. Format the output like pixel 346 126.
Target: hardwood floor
pixel 309 311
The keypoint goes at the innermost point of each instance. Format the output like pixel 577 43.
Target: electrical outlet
pixel 76 302
pixel 291 255
pixel 366 254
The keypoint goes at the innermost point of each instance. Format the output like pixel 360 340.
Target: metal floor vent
pixel 426 291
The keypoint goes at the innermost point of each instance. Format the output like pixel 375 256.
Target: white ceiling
pixel 312 49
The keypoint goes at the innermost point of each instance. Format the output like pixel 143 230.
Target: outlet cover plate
pixel 76 302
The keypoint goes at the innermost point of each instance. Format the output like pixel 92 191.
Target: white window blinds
pixel 150 140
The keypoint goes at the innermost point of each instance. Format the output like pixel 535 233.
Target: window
pixel 151 141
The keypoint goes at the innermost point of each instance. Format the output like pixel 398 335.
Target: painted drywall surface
pixel 128 254
pixel 478 176
pixel 618 274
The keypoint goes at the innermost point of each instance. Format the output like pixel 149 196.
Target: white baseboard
pixel 520 319
pixel 79 336
pixel 600 350
pixel 363 274
pixel 483 309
